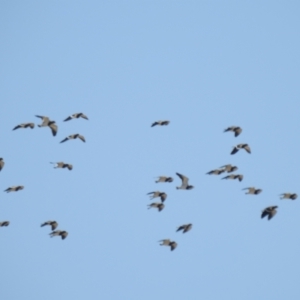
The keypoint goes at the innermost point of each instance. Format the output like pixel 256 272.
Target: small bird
pixel 1 163
pixel 185 183
pixel 61 233
pixel 234 176
pixel 288 196
pixel 53 224
pixel 74 136
pixel 241 146
pixel 14 188
pixel 269 211
pixel 229 168
pixel 47 122
pixel 164 179
pixel 161 123
pixel 185 228
pixel 159 206
pixel 76 116
pixel 62 165
pixel 252 191
pixel 5 223
pixel 167 242
pixel 215 172
pixel 24 125
pixel 237 130
pixel 162 195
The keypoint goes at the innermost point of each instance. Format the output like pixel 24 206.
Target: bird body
pixel 160 123
pixel 185 183
pixel 76 116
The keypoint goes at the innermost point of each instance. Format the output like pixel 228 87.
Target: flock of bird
pixel 268 211
pixel 46 122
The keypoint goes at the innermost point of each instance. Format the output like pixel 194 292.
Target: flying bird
pixel 167 242
pixel 269 211
pixel 215 172
pixel 241 146
pixel 74 136
pixel 76 116
pixel 229 168
pixel 237 130
pixel 14 188
pixel 162 195
pixel 61 233
pixel 185 183
pixel 161 123
pixel 1 163
pixel 234 176
pixel 252 190
pixel 5 223
pixel 185 228
pixel 164 179
pixel 53 224
pixel 62 165
pixel 288 196
pixel 159 206
pixel 47 122
pixel 24 125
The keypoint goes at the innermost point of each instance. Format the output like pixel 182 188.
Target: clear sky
pixel 203 65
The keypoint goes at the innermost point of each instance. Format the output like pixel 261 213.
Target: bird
pixel 53 224
pixel 1 163
pixel 167 242
pixel 252 190
pixel 62 165
pixel 234 176
pixel 47 122
pixel 240 146
pixel 159 206
pixel 229 168
pixel 215 172
pixel 4 223
pixel 76 116
pixel 185 228
pixel 237 130
pixel 288 196
pixel 73 136
pixel 14 188
pixel 269 211
pixel 162 195
pixel 161 123
pixel 61 233
pixel 185 183
pixel 164 179
pixel 24 125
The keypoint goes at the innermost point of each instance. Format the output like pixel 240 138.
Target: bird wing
pixel 154 124
pixel 183 178
pixel 235 150
pixel 53 128
pixel 247 148
pixel 173 245
pixel 17 127
pixel 237 131
pixel 68 119
pixel 64 140
pixel 81 137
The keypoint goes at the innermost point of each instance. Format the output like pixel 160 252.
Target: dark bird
pixel 161 123
pixel 237 130
pixel 61 233
pixel 62 165
pixel 76 116
pixel 215 172
pixel 185 228
pixel 164 179
pixel 74 136
pixel 252 190
pixel 5 223
pixel 162 195
pixel 241 146
pixel 167 242
pixel 229 168
pixel 185 183
pixel 288 196
pixel 269 211
pixel 233 176
pixel 14 188
pixel 24 125
pixel 47 122
pixel 53 224
pixel 1 163
pixel 159 206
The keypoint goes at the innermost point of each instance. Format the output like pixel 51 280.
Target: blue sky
pixel 203 65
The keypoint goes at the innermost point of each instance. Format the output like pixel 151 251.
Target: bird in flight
pixel 162 195
pixel 185 183
pixel 161 123
pixel 14 188
pixel 288 196
pixel 74 136
pixel 185 228
pixel 24 125
pixel 269 211
pixel 50 124
pixel 167 242
pixel 234 176
pixel 237 130
pixel 229 168
pixel 253 190
pixel 164 179
pixel 53 224
pixel 76 116
pixel 241 146
pixel 159 206
pixel 4 223
pixel 61 233
pixel 62 165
